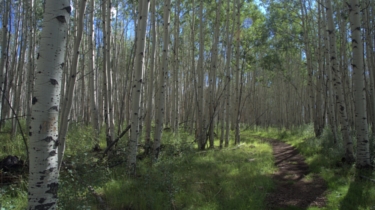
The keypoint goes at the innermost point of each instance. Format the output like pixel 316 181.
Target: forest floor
pixel 295 188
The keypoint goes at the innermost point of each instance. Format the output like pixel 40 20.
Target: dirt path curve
pixel 293 189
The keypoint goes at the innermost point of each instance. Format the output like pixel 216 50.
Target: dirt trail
pixel 292 188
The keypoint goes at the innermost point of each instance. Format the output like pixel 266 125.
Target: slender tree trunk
pixel 92 75
pixel 163 78
pixel 237 76
pixel 69 95
pixel 175 88
pixel 201 137
pixel 349 155
pixel 44 139
pixel 363 151
pixel 151 79
pixel 212 77
pixel 4 57
pixel 137 86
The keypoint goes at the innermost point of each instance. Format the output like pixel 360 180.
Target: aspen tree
pixel 110 130
pixel 201 137
pixel 30 56
pixel 337 82
pixel 159 117
pixel 228 74
pixel 20 69
pixel 363 151
pixel 92 71
pixel 44 139
pixel 69 95
pixel 212 77
pixel 331 92
pixel 4 56
pixel 175 88
pixel 236 116
pixel 137 86
pixel 150 81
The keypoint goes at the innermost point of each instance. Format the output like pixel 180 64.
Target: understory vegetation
pixel 236 177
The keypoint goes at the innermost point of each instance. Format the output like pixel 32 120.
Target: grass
pixel 237 177
pixel 345 190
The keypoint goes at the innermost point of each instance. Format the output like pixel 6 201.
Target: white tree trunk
pixel 175 88
pixel 201 137
pixel 363 151
pixel 212 77
pixel 44 139
pixel 337 82
pixel 92 75
pixel 69 95
pixel 159 119
pixel 151 81
pixel 137 86
pixel 4 56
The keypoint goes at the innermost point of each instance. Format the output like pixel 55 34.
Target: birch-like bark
pixel 44 139
pixel 104 72
pixel 337 82
pixel 212 77
pixel 175 89
pixel 305 28
pixel 201 137
pixel 151 80
pixel 137 86
pixel 69 95
pixel 30 56
pixel 363 151
pixel 331 92
pixel 18 76
pixel 110 131
pixel 4 56
pixel 159 118
pixel 237 76
pixel 370 64
pixel 92 75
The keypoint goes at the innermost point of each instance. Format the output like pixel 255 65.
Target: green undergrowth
pixel 13 195
pixel 236 177
pixel 346 190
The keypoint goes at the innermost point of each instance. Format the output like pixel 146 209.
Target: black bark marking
pixel 34 100
pixel 68 9
pixel 45 206
pixel 53 189
pixel 61 18
pixel 37 56
pixel 52 153
pixel 62 65
pixel 53 82
pixel 54 108
pixel 48 139
pixel 41 200
pixel 30 133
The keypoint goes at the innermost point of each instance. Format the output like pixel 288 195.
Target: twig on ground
pixel 116 140
pixel 363 177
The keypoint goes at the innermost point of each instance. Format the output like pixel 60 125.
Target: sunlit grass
pixel 236 177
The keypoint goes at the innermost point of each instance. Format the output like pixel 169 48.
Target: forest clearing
pixel 187 104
